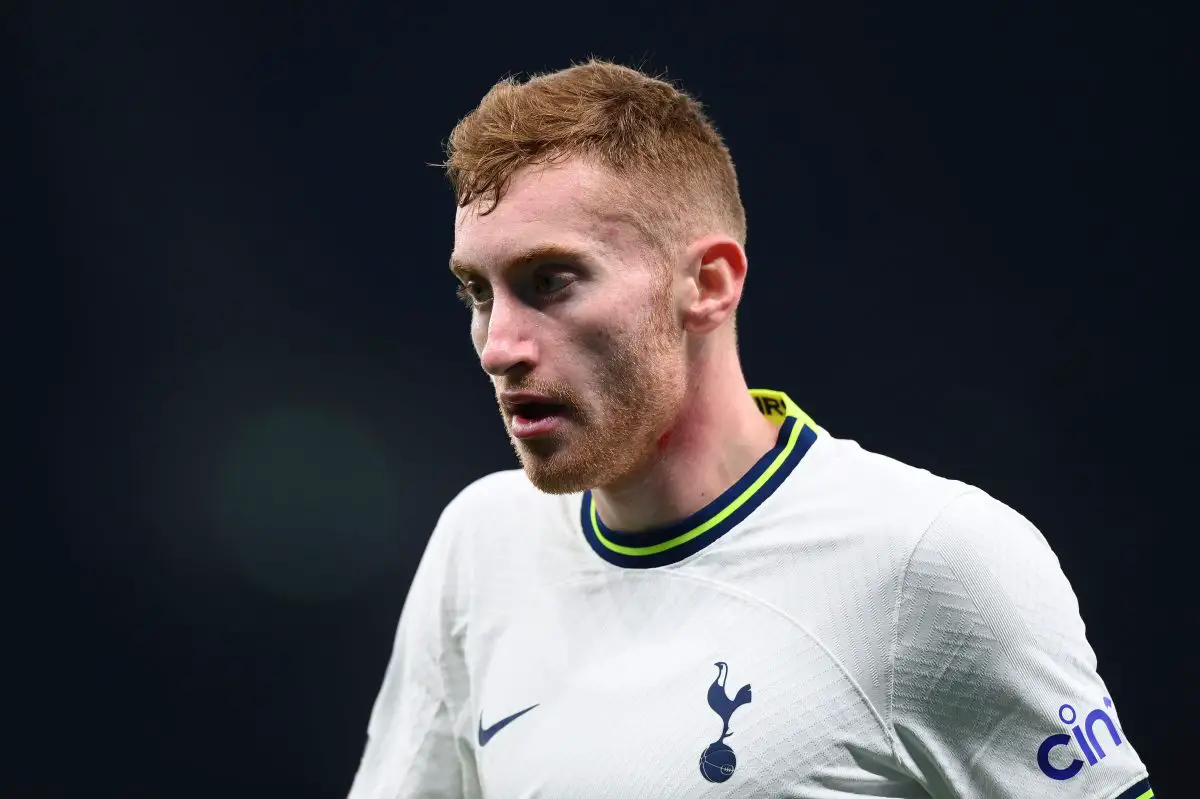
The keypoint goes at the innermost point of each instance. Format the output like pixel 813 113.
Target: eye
pixel 473 293
pixel 551 282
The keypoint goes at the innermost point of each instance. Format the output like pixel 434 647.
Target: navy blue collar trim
pixel 653 547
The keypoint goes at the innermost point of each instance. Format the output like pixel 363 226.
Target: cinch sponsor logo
pixel 1085 736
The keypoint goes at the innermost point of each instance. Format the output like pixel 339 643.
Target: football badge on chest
pixel 718 761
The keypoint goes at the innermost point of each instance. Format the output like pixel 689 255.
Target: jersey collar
pixel 673 543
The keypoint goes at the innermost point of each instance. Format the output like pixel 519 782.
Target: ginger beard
pixel 636 390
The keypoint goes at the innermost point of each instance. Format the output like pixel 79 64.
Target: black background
pixel 241 389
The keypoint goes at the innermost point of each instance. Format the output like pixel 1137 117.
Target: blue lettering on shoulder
pixel 1084 735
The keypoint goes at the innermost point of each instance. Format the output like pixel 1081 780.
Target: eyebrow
pixel 540 253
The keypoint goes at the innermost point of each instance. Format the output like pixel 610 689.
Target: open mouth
pixel 537 411
pixel 536 419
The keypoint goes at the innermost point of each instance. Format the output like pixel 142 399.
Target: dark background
pixel 241 389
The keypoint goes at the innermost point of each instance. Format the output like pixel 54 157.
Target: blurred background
pixel 241 388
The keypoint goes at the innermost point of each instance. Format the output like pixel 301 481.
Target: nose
pixel 507 344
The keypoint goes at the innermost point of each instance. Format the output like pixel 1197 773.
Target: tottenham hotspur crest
pixel 717 761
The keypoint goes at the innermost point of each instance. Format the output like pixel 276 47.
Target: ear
pixel 715 272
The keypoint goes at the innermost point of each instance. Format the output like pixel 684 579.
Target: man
pixel 690 589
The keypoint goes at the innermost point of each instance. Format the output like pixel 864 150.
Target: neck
pixel 716 437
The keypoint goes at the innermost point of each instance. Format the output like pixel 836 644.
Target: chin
pixel 556 474
pixel 556 482
pixel 556 467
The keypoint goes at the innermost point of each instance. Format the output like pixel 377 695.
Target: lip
pixel 527 427
pixel 522 427
pixel 511 400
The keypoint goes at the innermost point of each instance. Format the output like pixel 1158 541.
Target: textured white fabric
pixel 903 636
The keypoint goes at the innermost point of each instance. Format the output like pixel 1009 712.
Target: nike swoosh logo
pixel 490 732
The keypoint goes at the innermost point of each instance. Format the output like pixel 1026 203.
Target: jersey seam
pixel 891 663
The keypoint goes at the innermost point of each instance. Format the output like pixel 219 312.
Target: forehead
pixel 571 206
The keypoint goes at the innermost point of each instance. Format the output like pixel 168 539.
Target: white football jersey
pixel 836 624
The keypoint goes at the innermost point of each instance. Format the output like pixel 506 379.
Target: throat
pixel 688 473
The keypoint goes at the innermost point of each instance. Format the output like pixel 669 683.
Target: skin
pixel 568 299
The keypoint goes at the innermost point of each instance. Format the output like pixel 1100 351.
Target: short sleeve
pixel 413 747
pixel 995 688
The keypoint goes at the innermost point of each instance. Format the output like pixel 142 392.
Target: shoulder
pixel 506 486
pixel 885 499
pixel 980 565
pixel 934 519
pixel 947 547
pixel 976 531
pixel 496 496
pixel 503 508
pixel 919 530
pixel 989 647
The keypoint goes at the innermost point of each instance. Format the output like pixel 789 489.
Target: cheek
pixel 600 343
pixel 613 355
pixel 619 340
pixel 478 332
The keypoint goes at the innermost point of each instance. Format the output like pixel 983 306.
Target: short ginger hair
pixel 678 179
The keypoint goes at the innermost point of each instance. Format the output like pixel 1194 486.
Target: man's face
pixel 573 316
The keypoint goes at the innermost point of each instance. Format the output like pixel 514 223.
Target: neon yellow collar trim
pixel 672 543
